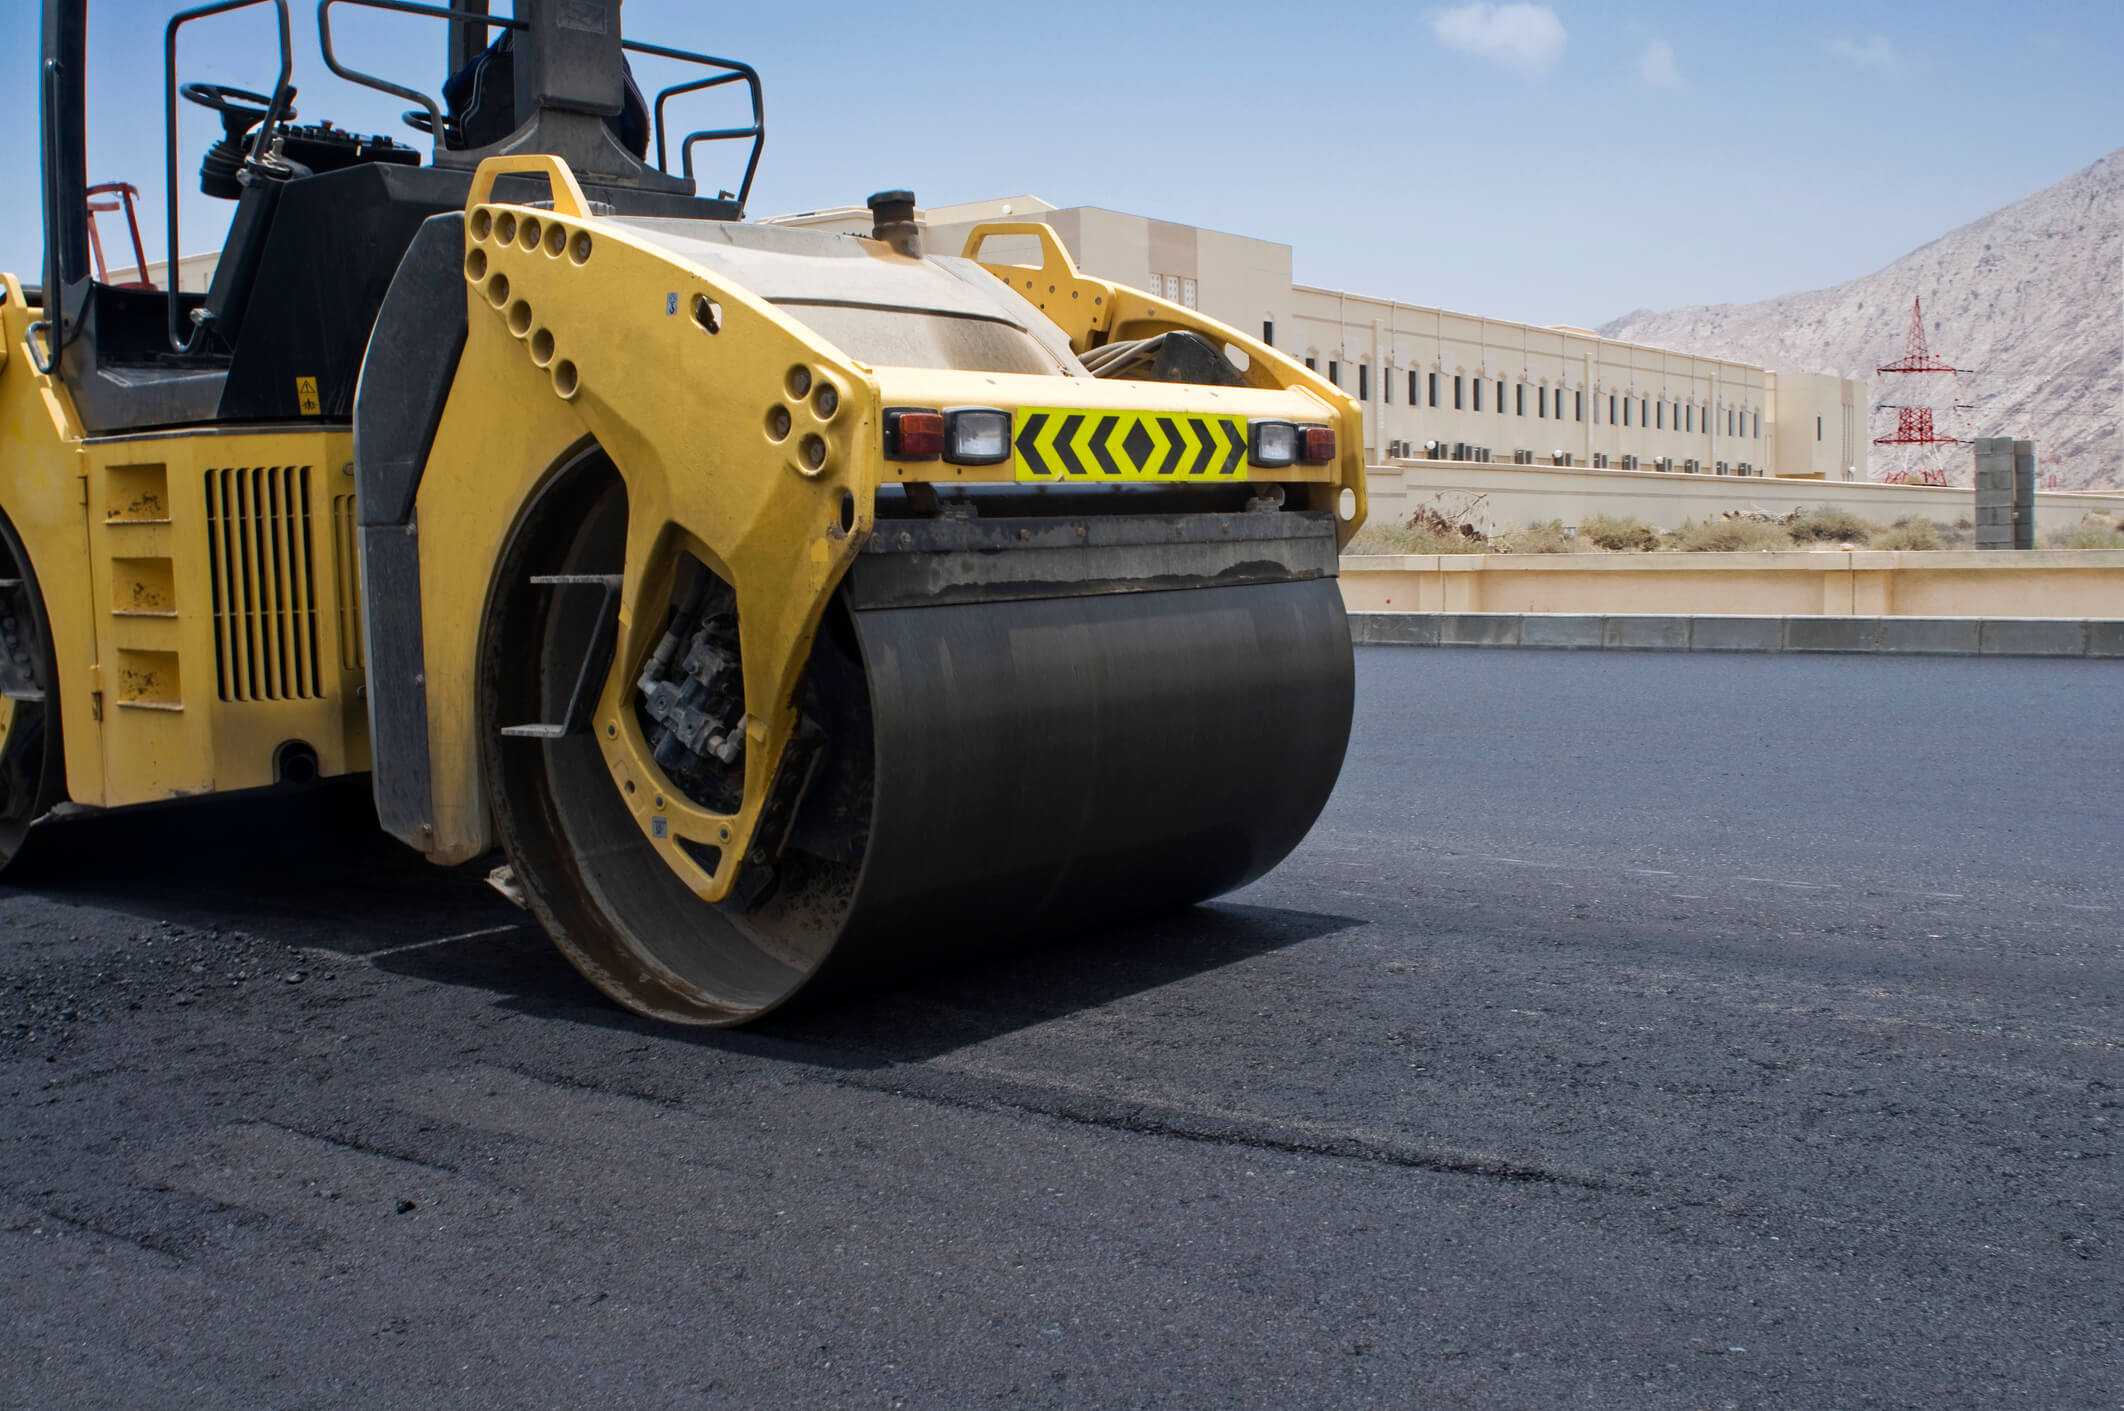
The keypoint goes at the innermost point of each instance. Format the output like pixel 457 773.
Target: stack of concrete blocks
pixel 2005 493
pixel 2024 488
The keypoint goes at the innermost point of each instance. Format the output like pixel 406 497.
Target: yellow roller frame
pixel 580 332
pixel 1096 312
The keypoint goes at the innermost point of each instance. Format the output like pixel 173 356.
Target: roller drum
pixel 1028 725
pixel 1061 759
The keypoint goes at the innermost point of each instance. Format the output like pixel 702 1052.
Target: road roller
pixel 784 605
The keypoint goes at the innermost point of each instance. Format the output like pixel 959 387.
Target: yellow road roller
pixel 785 605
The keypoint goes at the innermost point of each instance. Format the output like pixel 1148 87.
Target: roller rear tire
pixel 32 766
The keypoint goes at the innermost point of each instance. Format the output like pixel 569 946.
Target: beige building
pixel 1439 385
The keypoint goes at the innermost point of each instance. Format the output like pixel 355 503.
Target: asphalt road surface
pixel 1635 1031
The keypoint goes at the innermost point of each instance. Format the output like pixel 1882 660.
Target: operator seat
pixel 481 98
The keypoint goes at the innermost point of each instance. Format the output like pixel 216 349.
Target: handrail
pixel 276 112
pixel 732 71
pixel 385 85
pixel 1054 255
pixel 664 96
pixel 48 358
pixel 568 198
pixel 726 134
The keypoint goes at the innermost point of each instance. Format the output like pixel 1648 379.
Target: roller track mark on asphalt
pixel 1364 896
pixel 977 1092
pixel 146 1244
pixel 1367 853
pixel 412 946
pixel 355 1144
pixel 2092 1038
pixel 568 1083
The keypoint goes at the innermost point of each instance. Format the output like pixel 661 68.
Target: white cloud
pixel 1527 39
pixel 1873 52
pixel 1656 66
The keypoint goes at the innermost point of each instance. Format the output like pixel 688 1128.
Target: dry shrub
pixel 1909 532
pixel 1827 526
pixel 1618 533
pixel 2094 531
pixel 1729 536
pixel 1548 537
pixel 1427 532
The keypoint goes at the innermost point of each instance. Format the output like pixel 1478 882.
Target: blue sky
pixel 1556 163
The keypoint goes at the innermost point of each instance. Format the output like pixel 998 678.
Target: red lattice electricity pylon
pixel 1913 424
pixel 1913 427
pixel 1916 356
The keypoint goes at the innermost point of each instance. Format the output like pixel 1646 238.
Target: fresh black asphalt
pixel 1634 1031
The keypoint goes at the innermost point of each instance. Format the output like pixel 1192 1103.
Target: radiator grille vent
pixel 344 548
pixel 265 587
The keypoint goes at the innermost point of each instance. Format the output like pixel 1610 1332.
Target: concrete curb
pixel 2096 638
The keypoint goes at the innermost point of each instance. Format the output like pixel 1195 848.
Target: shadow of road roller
pixel 1017 726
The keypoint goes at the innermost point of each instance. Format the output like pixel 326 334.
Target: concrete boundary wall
pixel 1654 632
pixel 1497 497
pixel 2062 583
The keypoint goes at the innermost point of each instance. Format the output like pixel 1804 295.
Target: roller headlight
pixel 1273 444
pixel 976 436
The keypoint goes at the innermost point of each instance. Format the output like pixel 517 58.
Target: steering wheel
pixel 240 108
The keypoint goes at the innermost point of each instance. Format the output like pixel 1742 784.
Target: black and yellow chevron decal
pixel 1060 445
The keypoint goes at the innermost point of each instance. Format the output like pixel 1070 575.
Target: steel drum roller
pixel 1031 725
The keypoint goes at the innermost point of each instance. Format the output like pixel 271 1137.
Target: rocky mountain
pixel 2031 297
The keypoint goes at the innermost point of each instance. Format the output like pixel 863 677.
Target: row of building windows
pixel 1175 289
pixel 1622 411
pixel 1681 416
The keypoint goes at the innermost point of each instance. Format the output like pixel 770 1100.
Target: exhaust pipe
pixel 892 216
